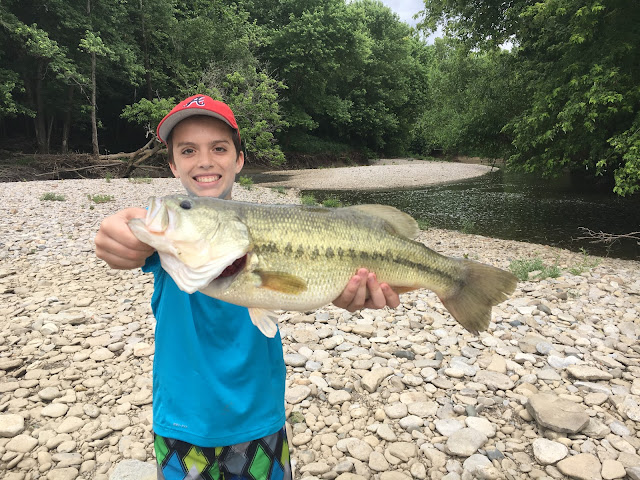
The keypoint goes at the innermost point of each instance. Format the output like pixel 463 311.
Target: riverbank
pixel 551 391
pixel 383 174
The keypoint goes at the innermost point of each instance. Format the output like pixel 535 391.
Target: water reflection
pixel 517 207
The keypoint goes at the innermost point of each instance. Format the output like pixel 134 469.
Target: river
pixel 518 207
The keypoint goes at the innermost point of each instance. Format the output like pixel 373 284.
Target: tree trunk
pixel 94 122
pixel 145 53
pixel 39 122
pixel 66 126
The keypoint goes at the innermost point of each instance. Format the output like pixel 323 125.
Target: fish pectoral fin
pixel 265 320
pixel 282 282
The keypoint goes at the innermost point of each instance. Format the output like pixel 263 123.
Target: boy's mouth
pixel 207 178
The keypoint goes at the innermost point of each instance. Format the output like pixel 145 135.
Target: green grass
pixel 523 267
pixel 424 224
pixel 309 200
pixel 586 264
pixel 296 417
pixel 280 190
pixel 107 177
pixel 139 179
pixel 332 202
pixel 52 197
pixel 100 198
pixel 468 225
pixel 245 182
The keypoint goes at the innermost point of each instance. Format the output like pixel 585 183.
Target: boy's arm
pixel 354 296
pixel 116 244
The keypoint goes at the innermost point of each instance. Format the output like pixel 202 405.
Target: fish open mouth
pixel 234 268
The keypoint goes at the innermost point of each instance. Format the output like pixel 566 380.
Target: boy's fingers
pixel 391 297
pixel 377 297
pixel 348 295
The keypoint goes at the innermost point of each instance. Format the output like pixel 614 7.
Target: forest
pixel 548 86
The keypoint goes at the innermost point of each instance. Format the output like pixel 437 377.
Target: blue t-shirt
pixel 217 380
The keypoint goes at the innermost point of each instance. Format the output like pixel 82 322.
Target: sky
pixel 406 9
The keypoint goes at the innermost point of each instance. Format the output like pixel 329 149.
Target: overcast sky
pixel 406 9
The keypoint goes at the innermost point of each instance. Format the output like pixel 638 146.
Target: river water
pixel 518 207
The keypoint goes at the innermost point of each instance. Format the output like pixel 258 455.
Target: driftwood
pixel 122 163
pixel 608 238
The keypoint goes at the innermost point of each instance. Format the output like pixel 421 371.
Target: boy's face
pixel 204 157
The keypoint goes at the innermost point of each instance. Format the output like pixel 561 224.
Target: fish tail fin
pixel 481 287
pixel 265 320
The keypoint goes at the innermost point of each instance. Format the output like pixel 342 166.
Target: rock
pixel 21 443
pixel 377 462
pixel 11 425
pixel 296 394
pixel 359 450
pixel 584 372
pixel 338 397
pixel 70 424
pixel 583 466
pixel 494 380
pixel 557 414
pixel 482 425
pixel 465 442
pixel 66 473
pixel 403 451
pixel 54 410
pixel 448 426
pixel 295 360
pixel 134 470
pixel 372 380
pixel 548 452
pixel 612 469
pixel 143 349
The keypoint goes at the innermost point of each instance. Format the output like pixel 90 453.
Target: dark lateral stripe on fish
pixel 299 251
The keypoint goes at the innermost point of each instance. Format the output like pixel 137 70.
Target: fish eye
pixel 186 204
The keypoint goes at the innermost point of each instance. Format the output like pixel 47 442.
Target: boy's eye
pixel 187 151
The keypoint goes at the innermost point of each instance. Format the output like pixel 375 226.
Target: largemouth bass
pixel 292 257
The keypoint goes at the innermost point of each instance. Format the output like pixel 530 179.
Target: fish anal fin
pixel 265 320
pixel 401 289
pixel 401 223
pixel 282 282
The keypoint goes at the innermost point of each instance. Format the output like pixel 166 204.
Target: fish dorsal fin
pixel 282 282
pixel 400 222
pixel 265 320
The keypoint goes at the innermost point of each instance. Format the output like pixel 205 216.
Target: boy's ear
pixel 239 162
pixel 174 170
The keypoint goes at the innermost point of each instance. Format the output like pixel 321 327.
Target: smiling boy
pixel 218 383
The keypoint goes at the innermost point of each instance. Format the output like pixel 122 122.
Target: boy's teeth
pixel 208 179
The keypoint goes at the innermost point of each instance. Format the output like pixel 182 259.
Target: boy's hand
pixel 116 244
pixel 354 296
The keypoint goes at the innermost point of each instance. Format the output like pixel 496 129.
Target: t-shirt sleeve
pixel 152 264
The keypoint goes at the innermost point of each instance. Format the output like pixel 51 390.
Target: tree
pixel 581 80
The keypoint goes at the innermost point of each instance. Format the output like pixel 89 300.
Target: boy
pixel 218 383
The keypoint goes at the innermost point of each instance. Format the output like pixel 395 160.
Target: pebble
pixel 551 391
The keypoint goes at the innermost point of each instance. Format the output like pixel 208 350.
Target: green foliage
pixel 522 269
pixel 424 224
pixel 308 200
pixel 52 197
pixel 100 198
pixel 586 263
pixel 332 202
pixel 280 190
pixel 246 182
pixel 140 180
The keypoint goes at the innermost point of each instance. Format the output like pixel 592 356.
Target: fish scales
pixel 285 257
pixel 326 247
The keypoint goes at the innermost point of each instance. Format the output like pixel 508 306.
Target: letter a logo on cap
pixel 199 101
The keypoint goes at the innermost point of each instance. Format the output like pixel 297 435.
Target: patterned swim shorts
pixel 264 459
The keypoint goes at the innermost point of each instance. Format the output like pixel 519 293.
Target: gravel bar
pixel 551 391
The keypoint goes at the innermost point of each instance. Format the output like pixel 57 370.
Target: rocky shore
pixel 551 391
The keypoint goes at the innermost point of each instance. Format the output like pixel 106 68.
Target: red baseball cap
pixel 196 105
